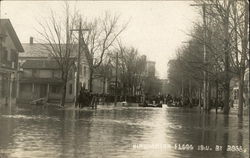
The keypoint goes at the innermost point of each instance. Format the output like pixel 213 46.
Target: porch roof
pixel 41 80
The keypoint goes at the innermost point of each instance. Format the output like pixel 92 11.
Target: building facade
pixel 40 75
pixel 150 69
pixel 10 47
pixel 234 89
pixel 41 78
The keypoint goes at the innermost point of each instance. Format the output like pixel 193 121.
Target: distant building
pixel 234 88
pixel 164 88
pixel 150 69
pixel 100 85
pixel 10 47
pixel 102 79
pixel 151 84
pixel 40 75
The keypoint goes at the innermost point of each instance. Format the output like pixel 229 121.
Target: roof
pixel 38 50
pixel 34 50
pixel 87 53
pixel 6 25
pixel 41 50
pixel 40 64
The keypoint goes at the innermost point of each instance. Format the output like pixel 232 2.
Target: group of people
pixel 191 102
pixel 86 99
pixel 181 101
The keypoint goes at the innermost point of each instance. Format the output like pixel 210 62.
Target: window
pixel 27 73
pixel 57 74
pixel 13 55
pixel 35 73
pixel 236 91
pixel 71 74
pixel 14 58
pixel 70 88
pixel 84 71
pixel 4 55
pixel 80 70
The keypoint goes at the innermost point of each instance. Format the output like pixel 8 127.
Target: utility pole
pixel 116 73
pixel 205 100
pixel 80 30
pixel 1 36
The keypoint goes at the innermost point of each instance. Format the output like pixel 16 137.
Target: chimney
pixel 31 40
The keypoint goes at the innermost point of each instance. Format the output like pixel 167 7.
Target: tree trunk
pixel 190 89
pixel 226 53
pixel 226 97
pixel 103 85
pixel 91 79
pixel 241 89
pixel 216 95
pixel 64 93
pixel 182 88
pixel 200 99
pixel 209 97
pixel 245 43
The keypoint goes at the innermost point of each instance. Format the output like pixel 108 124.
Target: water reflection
pixel 225 136
pixel 112 131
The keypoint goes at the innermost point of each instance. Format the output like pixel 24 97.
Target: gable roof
pixel 6 25
pixel 87 53
pixel 34 50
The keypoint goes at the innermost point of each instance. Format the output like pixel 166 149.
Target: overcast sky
pixel 156 28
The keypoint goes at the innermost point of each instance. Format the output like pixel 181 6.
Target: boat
pixel 173 104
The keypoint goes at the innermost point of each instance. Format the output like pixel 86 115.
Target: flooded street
pixel 120 132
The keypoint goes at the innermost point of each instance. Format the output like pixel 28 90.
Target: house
pixel 42 79
pixel 234 88
pixel 10 47
pixel 40 75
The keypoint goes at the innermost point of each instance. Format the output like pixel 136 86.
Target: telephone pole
pixel 116 77
pixel 80 30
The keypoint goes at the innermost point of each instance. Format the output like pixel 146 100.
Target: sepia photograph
pixel 124 79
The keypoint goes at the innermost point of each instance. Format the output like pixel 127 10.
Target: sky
pixel 155 28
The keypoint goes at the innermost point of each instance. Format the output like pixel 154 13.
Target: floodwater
pixel 120 132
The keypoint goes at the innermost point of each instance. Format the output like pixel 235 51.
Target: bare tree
pixel 220 11
pixel 239 56
pixel 104 32
pixel 58 40
pixel 233 18
pixel 132 67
